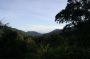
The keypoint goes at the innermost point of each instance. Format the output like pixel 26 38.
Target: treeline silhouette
pixel 71 42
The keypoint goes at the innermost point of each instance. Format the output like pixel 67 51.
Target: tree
pixel 11 44
pixel 76 13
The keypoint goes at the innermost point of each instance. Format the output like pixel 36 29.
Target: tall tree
pixel 76 12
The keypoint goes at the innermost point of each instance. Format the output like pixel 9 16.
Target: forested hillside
pixel 71 42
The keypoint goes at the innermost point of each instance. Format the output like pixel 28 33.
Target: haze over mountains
pixel 34 33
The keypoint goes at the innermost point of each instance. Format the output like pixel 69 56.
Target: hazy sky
pixel 31 15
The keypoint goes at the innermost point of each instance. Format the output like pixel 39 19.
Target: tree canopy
pixel 76 12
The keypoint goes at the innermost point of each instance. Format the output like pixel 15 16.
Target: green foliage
pixel 77 30
pixel 11 45
pixel 73 43
pixel 75 13
pixel 64 45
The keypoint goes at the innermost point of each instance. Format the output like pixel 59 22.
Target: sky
pixel 32 15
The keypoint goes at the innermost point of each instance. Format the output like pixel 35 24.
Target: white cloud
pixel 22 13
pixel 41 28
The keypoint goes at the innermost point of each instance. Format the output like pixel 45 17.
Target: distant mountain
pixel 33 33
pixel 56 31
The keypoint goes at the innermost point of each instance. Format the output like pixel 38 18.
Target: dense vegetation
pixel 72 42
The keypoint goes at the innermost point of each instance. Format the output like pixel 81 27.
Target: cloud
pixel 40 28
pixel 24 14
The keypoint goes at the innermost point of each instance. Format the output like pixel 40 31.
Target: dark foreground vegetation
pixel 72 42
